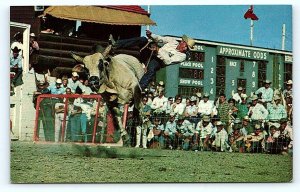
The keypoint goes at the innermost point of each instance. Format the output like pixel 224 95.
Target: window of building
pixel 242 83
pixel 242 66
pixel 288 71
pixel 188 91
pixel 220 75
pixel 262 73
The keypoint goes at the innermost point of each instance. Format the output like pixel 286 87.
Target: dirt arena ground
pixel 73 163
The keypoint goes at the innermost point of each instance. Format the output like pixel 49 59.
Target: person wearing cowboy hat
pixel 257 112
pixel 34 46
pixel 276 110
pixel 247 128
pixel 167 51
pixel 144 126
pixel 204 129
pixel 271 144
pixel 288 91
pixel 17 42
pixel 155 135
pixel 16 58
pixel 74 82
pixel 33 51
pixel 191 110
pixel 184 134
pixel 286 135
pixel 236 138
pixel 159 104
pixel 220 141
pixel 56 88
pixel 266 92
pixel 16 65
pixel 254 141
pixel 160 87
pixel 205 106
pixel 170 130
pixel 237 96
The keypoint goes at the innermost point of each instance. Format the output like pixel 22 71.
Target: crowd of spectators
pixel 261 122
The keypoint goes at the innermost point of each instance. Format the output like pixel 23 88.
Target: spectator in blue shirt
pixel 16 66
pixel 73 82
pixel 56 88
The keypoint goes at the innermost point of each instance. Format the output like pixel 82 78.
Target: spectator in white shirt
pixel 169 104
pixel 73 82
pixel 237 96
pixel 159 104
pixel 257 111
pixel 204 128
pixel 266 92
pixel 178 107
pixel 221 138
pixel 205 106
pixel 191 110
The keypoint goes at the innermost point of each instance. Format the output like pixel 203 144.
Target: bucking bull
pixel 119 78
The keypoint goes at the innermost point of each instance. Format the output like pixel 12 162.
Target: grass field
pixel 70 163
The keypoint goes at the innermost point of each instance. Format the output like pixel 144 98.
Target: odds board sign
pixel 242 53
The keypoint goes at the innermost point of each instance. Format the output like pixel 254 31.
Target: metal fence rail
pixel 55 112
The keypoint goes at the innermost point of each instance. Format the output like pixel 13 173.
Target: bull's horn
pixel 76 57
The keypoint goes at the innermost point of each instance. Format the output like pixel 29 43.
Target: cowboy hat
pixel 161 83
pixel 190 42
pixel 237 121
pixel 276 97
pixel 246 118
pixel 41 82
pixel 198 94
pixel 193 98
pixel 219 123
pixel 289 82
pixel 205 119
pixel 75 74
pixel 244 96
pixel 254 97
pixel 16 50
pixel 58 81
pixel 268 82
pixel 32 35
pixel 257 126
pixel 172 114
pixel 240 89
pixel 206 95
pixel 148 113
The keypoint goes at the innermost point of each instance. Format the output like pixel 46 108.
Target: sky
pixel 225 23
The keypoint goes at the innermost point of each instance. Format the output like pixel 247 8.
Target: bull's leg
pixel 120 128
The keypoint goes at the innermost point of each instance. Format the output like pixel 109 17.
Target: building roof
pixel 129 8
pixel 111 15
